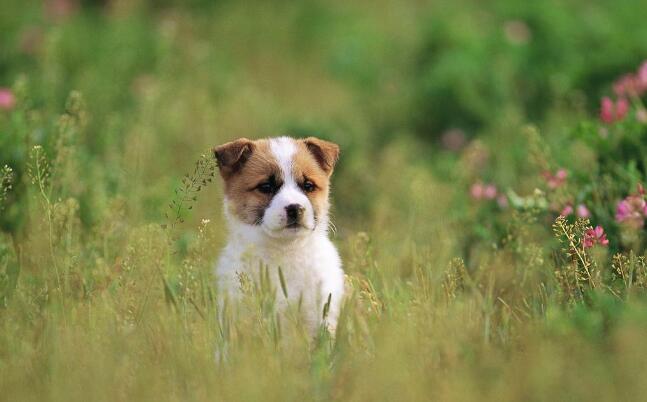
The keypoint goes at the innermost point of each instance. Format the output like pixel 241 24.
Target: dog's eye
pixel 268 187
pixel 265 188
pixel 308 186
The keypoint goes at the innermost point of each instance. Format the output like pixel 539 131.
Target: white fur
pixel 309 261
pixel 283 149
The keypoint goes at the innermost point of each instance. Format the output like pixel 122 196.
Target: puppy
pixel 276 205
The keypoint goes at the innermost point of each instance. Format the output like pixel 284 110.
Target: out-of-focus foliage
pixel 503 56
pixel 488 202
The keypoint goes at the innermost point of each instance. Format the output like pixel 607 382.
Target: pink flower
pixel 606 110
pixel 632 211
pixel 583 211
pixel 567 210
pixel 556 180
pixel 641 77
pixel 490 192
pixel 622 108
pixel 627 85
pixel 476 191
pixel 611 112
pixel 480 191
pixel 632 85
pixel 7 99
pixel 595 236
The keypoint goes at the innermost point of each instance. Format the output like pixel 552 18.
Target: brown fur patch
pixel 244 164
pixel 246 203
pixel 232 156
pixel 326 153
pixel 306 166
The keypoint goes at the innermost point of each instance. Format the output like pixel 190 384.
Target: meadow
pixel 488 203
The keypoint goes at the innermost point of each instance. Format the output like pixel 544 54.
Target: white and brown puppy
pixel 276 205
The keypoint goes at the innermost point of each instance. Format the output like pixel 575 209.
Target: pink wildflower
pixel 489 192
pixel 630 85
pixel 595 236
pixel 583 211
pixel 480 191
pixel 632 211
pixel 627 85
pixel 606 110
pixel 641 77
pixel 567 210
pixel 622 108
pixel 7 99
pixel 611 112
pixel 476 191
pixel 556 180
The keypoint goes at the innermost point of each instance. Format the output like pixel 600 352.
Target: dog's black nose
pixel 294 213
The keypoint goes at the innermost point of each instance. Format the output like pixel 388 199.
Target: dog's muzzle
pixel 294 214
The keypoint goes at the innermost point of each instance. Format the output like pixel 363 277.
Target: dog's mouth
pixel 293 222
pixel 288 231
pixel 299 224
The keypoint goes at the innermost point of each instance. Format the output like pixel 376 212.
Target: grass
pixel 111 210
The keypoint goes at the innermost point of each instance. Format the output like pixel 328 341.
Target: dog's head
pixel 279 185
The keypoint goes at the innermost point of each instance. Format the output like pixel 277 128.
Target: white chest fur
pixel 311 268
pixel 276 205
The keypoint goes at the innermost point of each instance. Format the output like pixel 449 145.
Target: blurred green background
pixel 163 81
pixel 106 105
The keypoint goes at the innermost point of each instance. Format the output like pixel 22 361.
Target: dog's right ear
pixel 232 156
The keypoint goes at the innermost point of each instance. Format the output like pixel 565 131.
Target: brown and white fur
pixel 276 205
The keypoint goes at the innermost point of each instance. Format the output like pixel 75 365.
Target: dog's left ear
pixel 232 156
pixel 326 153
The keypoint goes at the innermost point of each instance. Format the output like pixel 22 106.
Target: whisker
pixel 332 228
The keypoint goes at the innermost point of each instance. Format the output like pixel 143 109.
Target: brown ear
pixel 232 156
pixel 326 153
